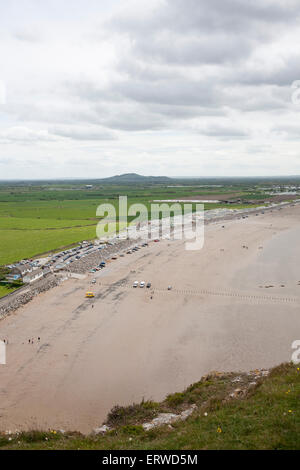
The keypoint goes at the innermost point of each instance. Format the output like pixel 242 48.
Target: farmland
pixel 6 290
pixel 36 218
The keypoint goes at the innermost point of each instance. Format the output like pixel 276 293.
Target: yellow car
pixel 89 295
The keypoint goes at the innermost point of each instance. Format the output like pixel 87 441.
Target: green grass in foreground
pixel 268 417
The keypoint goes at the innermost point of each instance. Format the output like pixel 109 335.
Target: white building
pixel 34 276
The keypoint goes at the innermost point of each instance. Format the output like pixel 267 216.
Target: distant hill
pixel 135 178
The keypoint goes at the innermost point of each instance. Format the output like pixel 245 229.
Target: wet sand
pixel 222 314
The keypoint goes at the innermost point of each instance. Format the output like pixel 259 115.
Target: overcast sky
pixel 92 88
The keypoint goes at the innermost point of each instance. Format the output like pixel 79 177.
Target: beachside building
pixel 33 276
pixel 13 277
pixel 59 266
pixel 19 272
pixel 46 271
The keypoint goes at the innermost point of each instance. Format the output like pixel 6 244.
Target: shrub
pixel 132 429
pixel 37 436
pixel 124 415
pixel 175 399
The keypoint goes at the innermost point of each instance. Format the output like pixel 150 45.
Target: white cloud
pixel 24 135
pixel 82 133
pixel 162 87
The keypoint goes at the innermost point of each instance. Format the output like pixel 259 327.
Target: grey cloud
pixel 219 15
pixel 289 132
pixel 255 98
pixel 24 135
pixel 65 112
pixel 4 161
pixel 197 31
pixel 82 133
pixel 27 36
pixel 282 74
pixel 175 68
pixel 176 92
pixel 225 132
pixel 139 120
pixel 184 112
pixel 150 72
pixel 195 49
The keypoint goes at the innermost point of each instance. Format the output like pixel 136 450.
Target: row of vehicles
pixel 102 265
pixel 136 248
pixel 142 284
pixel 115 257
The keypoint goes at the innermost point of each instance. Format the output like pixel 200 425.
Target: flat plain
pixel 34 221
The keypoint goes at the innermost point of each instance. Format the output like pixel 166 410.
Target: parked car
pixel 89 295
pixel 142 284
pixel 148 285
pixel 135 284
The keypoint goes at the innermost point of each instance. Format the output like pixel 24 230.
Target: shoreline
pixel 122 346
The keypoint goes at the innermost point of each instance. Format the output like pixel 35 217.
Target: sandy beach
pixel 234 306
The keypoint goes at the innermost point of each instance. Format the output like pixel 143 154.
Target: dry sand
pixel 219 316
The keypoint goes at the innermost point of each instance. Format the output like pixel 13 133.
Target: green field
pixel 25 237
pixel 6 290
pixel 22 244
pixel 37 218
